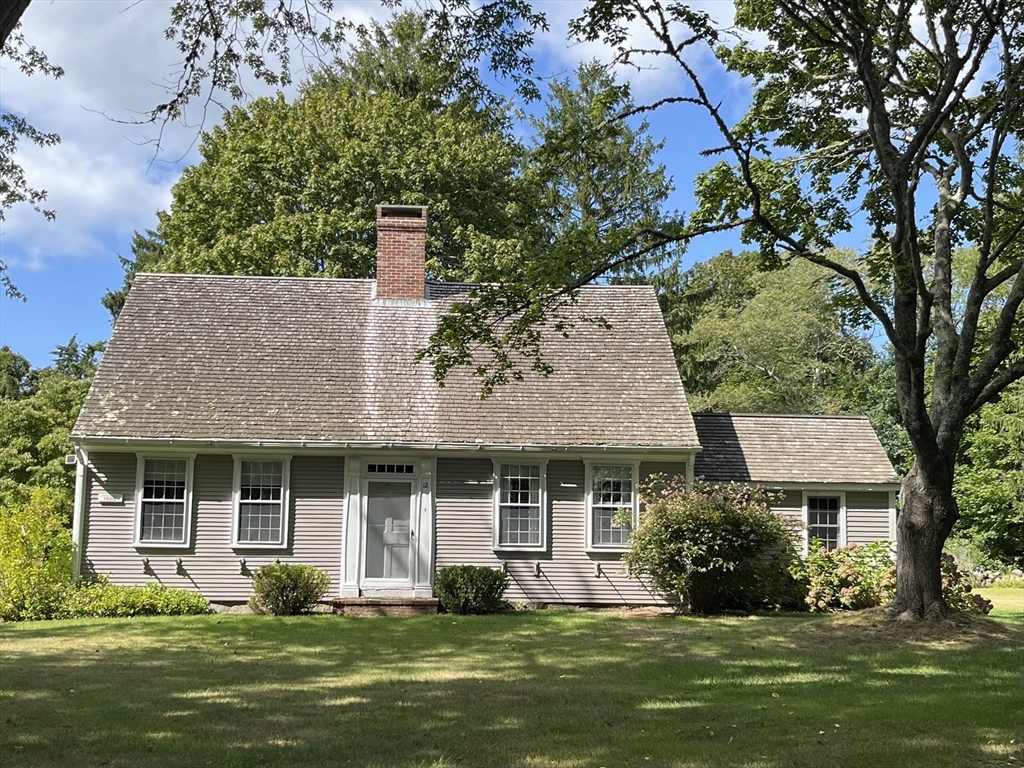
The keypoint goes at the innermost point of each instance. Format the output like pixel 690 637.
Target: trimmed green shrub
pixel 35 556
pixel 712 546
pixel 285 589
pixel 468 589
pixel 101 599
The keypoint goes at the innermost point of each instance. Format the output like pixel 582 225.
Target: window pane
pixel 519 525
pixel 259 523
pixel 613 485
pixel 823 520
pixel 261 480
pixel 520 484
pixel 164 479
pixel 260 515
pixel 605 529
pixel 163 521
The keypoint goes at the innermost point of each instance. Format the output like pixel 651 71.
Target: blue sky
pixel 105 181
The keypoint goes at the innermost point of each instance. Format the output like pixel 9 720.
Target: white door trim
pixel 421 566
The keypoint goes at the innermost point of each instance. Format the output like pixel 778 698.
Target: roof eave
pixel 93 443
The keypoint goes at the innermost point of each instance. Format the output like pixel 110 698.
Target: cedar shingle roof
pixel 259 358
pixel 790 449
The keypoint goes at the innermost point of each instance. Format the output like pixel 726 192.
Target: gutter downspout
pixel 78 515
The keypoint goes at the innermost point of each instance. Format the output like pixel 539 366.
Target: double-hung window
pixel 163 501
pixel 823 520
pixel 261 502
pixel 519 506
pixel 612 505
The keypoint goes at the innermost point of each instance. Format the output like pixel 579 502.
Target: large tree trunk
pixel 10 14
pixel 927 514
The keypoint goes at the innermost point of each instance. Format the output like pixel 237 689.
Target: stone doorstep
pixel 385 606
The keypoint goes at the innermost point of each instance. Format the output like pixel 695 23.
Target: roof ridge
pixel 196 276
pixel 849 416
pixel 460 283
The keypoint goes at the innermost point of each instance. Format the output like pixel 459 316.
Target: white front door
pixel 387 559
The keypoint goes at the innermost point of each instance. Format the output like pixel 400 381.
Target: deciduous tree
pixel 290 188
pixel 779 341
pixel 36 422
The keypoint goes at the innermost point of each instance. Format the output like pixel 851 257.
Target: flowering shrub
pixel 956 588
pixel 864 576
pixel 848 578
pixel 713 546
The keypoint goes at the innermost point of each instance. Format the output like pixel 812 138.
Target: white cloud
pixel 106 178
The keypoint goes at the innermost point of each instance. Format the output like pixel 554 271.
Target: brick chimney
pixel 401 251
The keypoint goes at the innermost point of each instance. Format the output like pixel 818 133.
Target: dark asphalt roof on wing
pixel 790 449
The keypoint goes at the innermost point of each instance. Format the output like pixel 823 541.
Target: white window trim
pixel 496 493
pixel 591 545
pixel 841 495
pixel 140 476
pixel 236 498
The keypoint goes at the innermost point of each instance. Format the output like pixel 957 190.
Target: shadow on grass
pixel 528 689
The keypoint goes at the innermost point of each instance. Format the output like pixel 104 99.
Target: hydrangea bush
pixel 864 576
pixel 712 546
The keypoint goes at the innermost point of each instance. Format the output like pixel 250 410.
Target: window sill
pixel 162 545
pixel 609 550
pixel 257 545
pixel 505 548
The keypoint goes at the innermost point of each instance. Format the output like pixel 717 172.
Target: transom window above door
pixel 390 469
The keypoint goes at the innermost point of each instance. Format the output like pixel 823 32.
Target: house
pixel 239 421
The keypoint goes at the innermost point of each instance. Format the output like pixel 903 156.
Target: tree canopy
pixel 290 189
pixel 38 408
pixel 779 341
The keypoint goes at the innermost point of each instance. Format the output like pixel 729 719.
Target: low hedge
pixel 101 599
pixel 466 589
pixel 284 589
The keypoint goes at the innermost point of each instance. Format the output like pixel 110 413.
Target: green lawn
pixel 532 689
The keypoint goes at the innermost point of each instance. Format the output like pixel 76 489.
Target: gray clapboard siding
pixel 790 505
pixel 210 565
pixel 667 468
pixel 464 536
pixel 867 516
